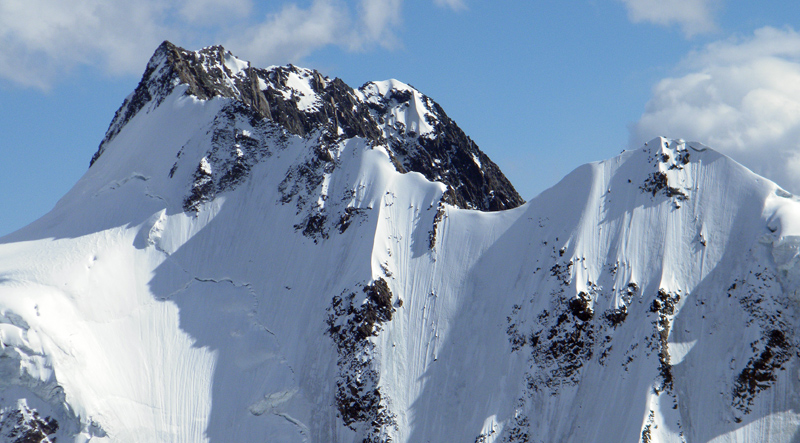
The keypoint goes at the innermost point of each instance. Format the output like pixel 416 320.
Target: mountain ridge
pixel 218 277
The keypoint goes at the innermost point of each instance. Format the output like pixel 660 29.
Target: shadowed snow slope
pixel 270 255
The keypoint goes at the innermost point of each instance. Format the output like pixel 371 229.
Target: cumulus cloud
pixel 41 40
pixel 693 16
pixel 739 96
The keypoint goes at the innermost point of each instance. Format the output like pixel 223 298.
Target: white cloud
pixel 379 18
pixel 455 5
pixel 739 96
pixel 693 16
pixel 41 40
pixel 294 33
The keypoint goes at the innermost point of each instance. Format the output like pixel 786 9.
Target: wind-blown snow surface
pixel 649 297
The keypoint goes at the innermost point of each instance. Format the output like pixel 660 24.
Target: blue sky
pixel 542 87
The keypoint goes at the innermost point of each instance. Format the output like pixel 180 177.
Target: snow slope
pixel 225 274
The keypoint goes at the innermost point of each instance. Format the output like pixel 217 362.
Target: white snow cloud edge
pixel 740 96
pixel 41 40
pixel 693 16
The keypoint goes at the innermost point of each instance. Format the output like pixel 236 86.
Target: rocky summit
pixel 414 129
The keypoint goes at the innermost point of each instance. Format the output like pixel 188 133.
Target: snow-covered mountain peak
pixel 269 254
pixel 392 116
